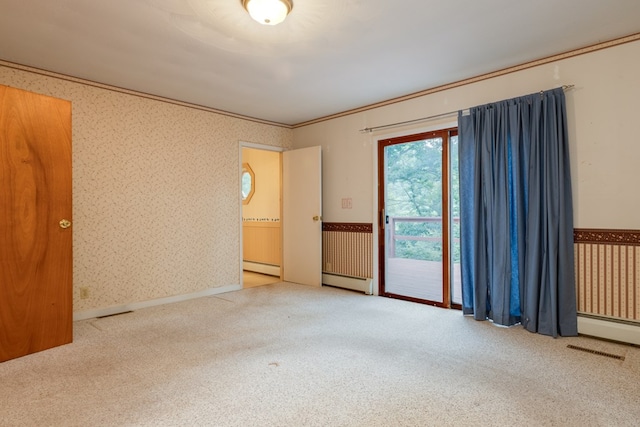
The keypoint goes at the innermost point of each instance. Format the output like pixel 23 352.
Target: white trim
pixel 244 144
pixel 272 270
pixel 361 284
pixel 603 328
pixel 116 309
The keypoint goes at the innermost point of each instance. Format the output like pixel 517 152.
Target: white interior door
pixel 302 216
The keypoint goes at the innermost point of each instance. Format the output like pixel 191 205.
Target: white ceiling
pixel 327 57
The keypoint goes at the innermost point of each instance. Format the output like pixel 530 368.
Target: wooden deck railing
pixel 393 237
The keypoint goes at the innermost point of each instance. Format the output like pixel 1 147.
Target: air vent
pixel 599 353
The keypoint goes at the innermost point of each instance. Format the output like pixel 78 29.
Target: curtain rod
pixel 437 116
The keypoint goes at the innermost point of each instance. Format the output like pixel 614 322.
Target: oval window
pixel 248 183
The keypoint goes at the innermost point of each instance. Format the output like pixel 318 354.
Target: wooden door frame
pixel 446 133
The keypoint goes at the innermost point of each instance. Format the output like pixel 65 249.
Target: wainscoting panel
pixel 261 242
pixel 607 265
pixel 347 249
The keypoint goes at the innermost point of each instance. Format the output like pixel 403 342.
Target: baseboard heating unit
pixel 610 329
pixel 361 284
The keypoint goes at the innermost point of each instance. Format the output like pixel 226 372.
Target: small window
pixel 248 183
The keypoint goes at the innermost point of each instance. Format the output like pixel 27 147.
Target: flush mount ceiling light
pixel 268 12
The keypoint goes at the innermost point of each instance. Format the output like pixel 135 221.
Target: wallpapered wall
pixel 156 208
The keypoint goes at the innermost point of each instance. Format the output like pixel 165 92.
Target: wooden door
pixel 35 199
pixel 302 216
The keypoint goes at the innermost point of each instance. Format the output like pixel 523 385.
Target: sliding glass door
pixel 419 224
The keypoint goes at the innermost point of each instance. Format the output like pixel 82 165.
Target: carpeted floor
pixel 290 355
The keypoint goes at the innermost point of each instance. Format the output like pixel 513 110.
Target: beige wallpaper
pixel 155 190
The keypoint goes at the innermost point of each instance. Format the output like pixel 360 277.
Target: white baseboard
pixel 272 270
pixel 108 311
pixel 610 330
pixel 353 283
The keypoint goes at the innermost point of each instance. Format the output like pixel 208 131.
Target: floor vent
pixel 599 353
pixel 114 314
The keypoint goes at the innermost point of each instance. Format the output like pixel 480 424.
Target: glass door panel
pixel 413 200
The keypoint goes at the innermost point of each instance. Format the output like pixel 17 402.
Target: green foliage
pixel 414 180
pixel 414 190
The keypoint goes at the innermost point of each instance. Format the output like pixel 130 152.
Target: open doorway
pixel 261 189
pixel 291 218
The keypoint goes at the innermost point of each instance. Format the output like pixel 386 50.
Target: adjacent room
pixel 339 213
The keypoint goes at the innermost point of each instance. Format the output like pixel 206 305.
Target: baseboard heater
pixel 361 284
pixel 608 328
pixel 256 267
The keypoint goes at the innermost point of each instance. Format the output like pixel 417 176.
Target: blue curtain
pixel 517 214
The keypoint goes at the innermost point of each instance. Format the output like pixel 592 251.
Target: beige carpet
pixel 290 355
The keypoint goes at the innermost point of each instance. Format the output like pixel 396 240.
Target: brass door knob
pixel 65 223
pixel 317 218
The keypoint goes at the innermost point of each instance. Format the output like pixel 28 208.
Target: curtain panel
pixel 517 214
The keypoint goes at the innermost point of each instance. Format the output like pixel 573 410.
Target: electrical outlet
pixel 84 292
pixel 327 267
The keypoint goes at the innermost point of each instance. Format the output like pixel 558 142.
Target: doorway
pixel 295 235
pixel 261 188
pixel 419 229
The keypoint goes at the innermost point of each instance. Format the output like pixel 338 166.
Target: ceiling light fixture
pixel 268 12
